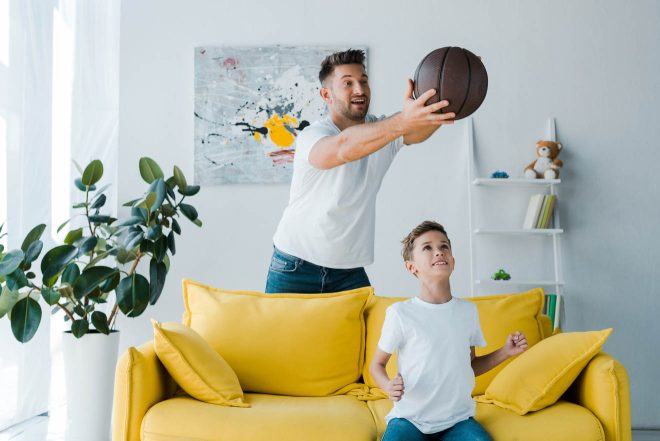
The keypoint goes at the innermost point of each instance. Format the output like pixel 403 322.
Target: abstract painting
pixel 250 105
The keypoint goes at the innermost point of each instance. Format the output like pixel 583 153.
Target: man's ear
pixel 325 94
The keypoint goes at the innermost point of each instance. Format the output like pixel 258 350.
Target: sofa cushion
pixel 563 421
pixel 270 417
pixel 539 376
pixel 195 366
pixel 502 315
pixel 285 344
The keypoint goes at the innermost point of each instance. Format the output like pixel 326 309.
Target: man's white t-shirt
pixel 330 219
pixel 433 343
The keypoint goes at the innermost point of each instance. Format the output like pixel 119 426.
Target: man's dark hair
pixel 409 241
pixel 350 56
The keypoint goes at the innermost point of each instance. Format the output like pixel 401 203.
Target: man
pixel 326 234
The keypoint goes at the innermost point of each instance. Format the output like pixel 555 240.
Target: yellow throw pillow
pixel 502 315
pixel 539 376
pixel 195 366
pixel 283 344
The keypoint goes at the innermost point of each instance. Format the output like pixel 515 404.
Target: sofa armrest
pixel 140 382
pixel 603 388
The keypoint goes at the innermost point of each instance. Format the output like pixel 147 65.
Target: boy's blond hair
pixel 409 241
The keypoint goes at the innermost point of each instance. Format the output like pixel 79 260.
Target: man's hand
pixel 395 388
pixel 415 115
pixel 516 344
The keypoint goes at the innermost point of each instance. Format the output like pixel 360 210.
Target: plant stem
pixel 66 311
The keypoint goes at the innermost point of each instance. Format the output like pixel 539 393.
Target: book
pixel 547 211
pixel 555 323
pixel 552 299
pixel 533 211
pixel 544 209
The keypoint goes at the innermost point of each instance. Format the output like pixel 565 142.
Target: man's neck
pixel 343 123
pixel 435 291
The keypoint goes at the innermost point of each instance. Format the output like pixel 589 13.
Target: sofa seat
pixel 562 421
pixel 271 417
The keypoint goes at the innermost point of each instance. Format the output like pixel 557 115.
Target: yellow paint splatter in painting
pixel 257 136
pixel 277 130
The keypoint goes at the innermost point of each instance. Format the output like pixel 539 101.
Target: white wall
pixel 594 65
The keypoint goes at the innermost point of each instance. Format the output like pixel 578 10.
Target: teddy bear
pixel 546 165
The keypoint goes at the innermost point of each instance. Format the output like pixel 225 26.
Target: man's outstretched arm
pixel 416 122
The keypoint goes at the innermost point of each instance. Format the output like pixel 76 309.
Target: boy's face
pixel 431 256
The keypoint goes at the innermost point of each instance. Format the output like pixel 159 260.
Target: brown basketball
pixel 457 75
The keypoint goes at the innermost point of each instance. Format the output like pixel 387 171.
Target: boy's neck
pixel 435 292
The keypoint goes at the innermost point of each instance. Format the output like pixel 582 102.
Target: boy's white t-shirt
pixel 330 219
pixel 433 343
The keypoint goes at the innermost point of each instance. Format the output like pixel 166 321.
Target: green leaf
pixel 124 256
pixel 176 227
pixel 99 201
pixel 73 236
pixel 198 222
pixel 11 261
pixel 93 173
pixel 30 275
pixel 190 190
pixel 78 182
pixel 16 280
pixel 144 214
pixel 168 210
pixel 110 283
pixel 79 327
pixel 133 295
pixel 154 232
pixel 8 299
pixel 100 322
pixel 100 218
pixel 50 295
pixel 25 319
pixel 87 245
pixel 157 273
pixel 80 205
pixel 63 225
pixel 78 167
pixel 90 279
pixel 149 201
pixel 160 249
pixel 55 260
pixel 131 203
pixel 158 187
pixel 133 239
pixel 170 243
pixel 33 236
pixel 33 251
pixel 188 211
pixel 166 261
pixel 127 221
pixel 71 273
pixel 179 178
pixel 149 170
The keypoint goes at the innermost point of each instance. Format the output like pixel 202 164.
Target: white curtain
pixel 59 70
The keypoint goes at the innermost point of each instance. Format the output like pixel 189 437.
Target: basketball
pixel 457 75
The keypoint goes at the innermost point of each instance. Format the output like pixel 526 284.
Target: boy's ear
pixel 410 266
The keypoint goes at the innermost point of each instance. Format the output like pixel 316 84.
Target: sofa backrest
pixel 499 315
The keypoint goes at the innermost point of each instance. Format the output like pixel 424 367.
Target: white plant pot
pixel 89 365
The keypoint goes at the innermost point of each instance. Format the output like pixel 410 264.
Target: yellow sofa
pixel 149 406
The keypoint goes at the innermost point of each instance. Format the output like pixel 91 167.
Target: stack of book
pixel 552 308
pixel 539 211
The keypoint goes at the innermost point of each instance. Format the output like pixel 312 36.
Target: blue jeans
pixel 400 429
pixel 290 274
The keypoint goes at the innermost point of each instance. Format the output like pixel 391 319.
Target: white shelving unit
pixel 510 185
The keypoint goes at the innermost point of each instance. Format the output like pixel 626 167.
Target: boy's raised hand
pixel 395 388
pixel 516 344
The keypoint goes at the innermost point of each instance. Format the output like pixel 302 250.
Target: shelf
pixel 515 182
pixel 520 231
pixel 518 282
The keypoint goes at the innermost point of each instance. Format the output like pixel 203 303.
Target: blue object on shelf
pixel 499 175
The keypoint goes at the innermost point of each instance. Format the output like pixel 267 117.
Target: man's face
pixel 346 92
pixel 431 256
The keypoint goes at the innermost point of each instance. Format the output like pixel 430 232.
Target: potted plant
pixel 81 275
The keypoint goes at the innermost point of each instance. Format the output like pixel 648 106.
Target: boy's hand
pixel 395 388
pixel 516 344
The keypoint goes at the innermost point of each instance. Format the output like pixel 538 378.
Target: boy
pixel 435 335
